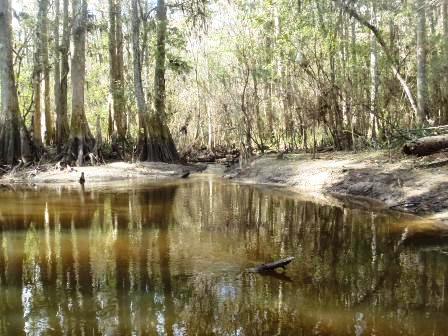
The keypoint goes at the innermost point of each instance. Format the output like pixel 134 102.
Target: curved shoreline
pixel 368 177
pixel 403 184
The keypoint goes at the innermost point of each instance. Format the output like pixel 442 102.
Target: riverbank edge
pixel 49 174
pixel 370 179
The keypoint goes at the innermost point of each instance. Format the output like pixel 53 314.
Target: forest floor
pixel 376 179
pixel 384 180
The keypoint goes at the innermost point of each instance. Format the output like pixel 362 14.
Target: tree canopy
pixel 152 80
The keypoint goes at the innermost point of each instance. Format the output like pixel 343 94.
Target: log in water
pixel 270 267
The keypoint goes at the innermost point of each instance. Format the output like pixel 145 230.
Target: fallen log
pixel 426 146
pixel 271 266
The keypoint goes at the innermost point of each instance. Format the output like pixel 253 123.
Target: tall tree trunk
pixel 422 84
pixel 246 120
pixel 37 80
pixel 160 145
pixel 444 117
pixel 374 80
pixel 63 129
pixel 354 79
pixel 14 143
pixel 435 76
pixel 159 77
pixel 138 81
pixel 260 125
pixel 116 69
pixel 81 139
pixel 346 93
pixel 198 100
pixel 57 69
pixel 46 73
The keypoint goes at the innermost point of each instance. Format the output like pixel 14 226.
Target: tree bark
pixel 99 140
pixel 81 139
pixel 57 69
pixel 444 116
pixel 374 80
pixel 159 78
pixel 37 79
pixel 63 129
pixel 116 70
pixel 422 84
pixel 247 120
pixel 138 81
pixel 14 141
pixel 46 73
pixel 260 125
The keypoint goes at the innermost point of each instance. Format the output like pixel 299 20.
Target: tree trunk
pixel 422 84
pixel 444 116
pixel 247 120
pixel 46 73
pixel 138 81
pixel 14 141
pixel 159 143
pixel 159 78
pixel 374 80
pixel 198 101
pixel 37 79
pixel 99 140
pixel 116 69
pixel 354 94
pixel 260 126
pixel 137 64
pixel 57 69
pixel 63 129
pixel 81 139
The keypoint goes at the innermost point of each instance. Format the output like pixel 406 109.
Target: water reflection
pixel 167 259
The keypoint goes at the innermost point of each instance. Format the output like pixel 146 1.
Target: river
pixel 169 258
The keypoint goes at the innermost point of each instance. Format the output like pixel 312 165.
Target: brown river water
pixel 169 259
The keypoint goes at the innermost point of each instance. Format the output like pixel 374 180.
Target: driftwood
pixel 270 267
pixel 426 146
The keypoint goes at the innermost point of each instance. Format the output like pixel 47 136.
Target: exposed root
pixel 79 150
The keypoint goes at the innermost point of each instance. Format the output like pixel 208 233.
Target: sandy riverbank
pixel 117 171
pixel 418 186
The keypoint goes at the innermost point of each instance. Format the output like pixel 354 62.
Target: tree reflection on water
pixel 168 259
